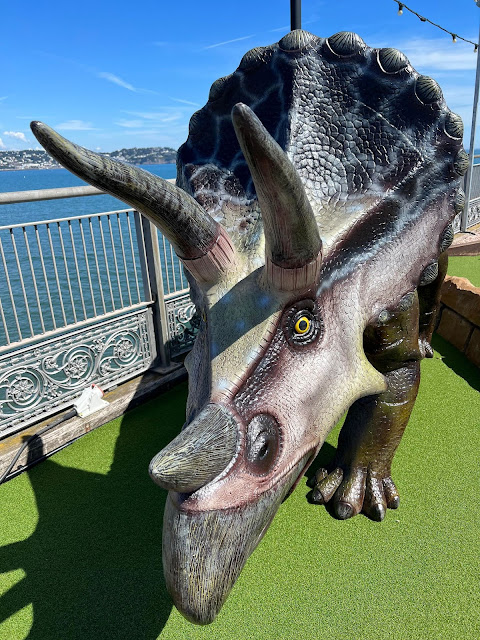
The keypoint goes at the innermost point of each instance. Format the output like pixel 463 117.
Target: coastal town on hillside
pixel 39 159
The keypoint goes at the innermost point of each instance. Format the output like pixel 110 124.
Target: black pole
pixel 296 14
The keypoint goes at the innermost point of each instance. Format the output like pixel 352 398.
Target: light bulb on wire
pixel 455 37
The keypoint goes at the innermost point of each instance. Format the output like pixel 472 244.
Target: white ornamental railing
pixel 471 214
pixel 92 298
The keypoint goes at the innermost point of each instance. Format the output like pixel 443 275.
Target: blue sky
pixel 130 74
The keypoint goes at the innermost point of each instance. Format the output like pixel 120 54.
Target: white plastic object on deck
pixel 90 401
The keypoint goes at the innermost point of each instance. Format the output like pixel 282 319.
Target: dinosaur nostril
pixel 262 443
pixel 263 451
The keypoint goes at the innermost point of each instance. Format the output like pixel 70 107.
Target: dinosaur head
pixel 268 353
pixel 300 219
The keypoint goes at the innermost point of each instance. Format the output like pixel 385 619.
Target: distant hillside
pixel 33 159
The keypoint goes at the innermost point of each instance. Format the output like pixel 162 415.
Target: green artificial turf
pixel 465 267
pixel 81 536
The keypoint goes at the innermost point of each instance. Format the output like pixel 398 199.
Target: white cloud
pixel 156 116
pixel 18 135
pixel 153 123
pixel 170 137
pixel 194 104
pixel 2 98
pixel 116 80
pixel 220 44
pixel 459 99
pixel 2 146
pixel 435 54
pixel 75 125
pixel 172 117
pixel 111 77
pixel 130 124
pixel 462 95
pixel 142 132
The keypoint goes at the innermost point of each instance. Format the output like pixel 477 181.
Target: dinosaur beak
pixel 204 550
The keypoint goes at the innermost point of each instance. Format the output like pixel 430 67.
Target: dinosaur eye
pixel 302 325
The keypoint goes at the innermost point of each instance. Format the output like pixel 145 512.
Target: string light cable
pixel 455 36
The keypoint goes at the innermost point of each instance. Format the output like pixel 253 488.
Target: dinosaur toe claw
pixel 344 510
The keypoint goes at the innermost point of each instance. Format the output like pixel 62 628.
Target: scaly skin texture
pixel 326 175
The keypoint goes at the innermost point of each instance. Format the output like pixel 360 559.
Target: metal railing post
pixel 152 277
pixel 468 186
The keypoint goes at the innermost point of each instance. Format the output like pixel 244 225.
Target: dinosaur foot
pixel 355 490
pixel 426 349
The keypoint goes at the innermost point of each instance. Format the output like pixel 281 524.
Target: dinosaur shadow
pixel 457 361
pixel 93 564
pixel 323 460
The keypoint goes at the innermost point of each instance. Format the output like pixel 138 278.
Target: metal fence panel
pixel 60 272
pixel 92 298
pixel 45 377
pixel 473 212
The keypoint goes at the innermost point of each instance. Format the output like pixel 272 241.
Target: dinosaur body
pixel 313 208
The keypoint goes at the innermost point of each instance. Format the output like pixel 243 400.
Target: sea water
pixel 22 213
pixel 27 180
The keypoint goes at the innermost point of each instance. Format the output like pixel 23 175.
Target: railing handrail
pixel 12 197
pixel 36 195
pixel 66 219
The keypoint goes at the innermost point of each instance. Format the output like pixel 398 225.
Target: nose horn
pixel 199 453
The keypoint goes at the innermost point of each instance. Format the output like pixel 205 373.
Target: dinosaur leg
pixel 360 477
pixel 429 299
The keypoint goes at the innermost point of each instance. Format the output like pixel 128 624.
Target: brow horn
pixel 291 233
pixel 201 243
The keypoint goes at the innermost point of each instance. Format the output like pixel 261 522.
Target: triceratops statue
pixel 312 211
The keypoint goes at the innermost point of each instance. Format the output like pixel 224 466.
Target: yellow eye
pixel 302 325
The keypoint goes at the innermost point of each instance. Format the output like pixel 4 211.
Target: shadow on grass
pixel 456 361
pixel 93 565
pixel 323 459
